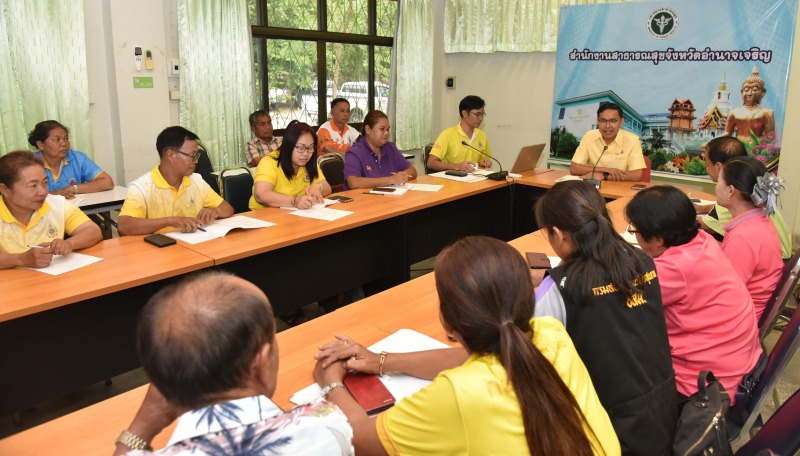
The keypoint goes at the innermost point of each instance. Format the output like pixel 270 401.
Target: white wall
pixel 126 121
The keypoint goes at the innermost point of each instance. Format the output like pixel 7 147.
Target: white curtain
pixel 504 25
pixel 413 68
pixel 43 71
pixel 216 76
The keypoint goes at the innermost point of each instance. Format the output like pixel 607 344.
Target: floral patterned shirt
pixel 255 426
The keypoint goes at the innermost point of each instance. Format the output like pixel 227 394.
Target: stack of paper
pixel 400 385
pixel 219 228
pixel 65 263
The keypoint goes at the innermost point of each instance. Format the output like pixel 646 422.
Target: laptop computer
pixel 527 159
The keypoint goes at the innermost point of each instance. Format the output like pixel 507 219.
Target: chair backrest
pixel 646 171
pixel 781 295
pixel 332 165
pixel 426 153
pixel 780 434
pixel 778 359
pixel 237 188
pixel 204 168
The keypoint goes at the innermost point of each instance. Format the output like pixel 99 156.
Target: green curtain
pixel 504 25
pixel 413 52
pixel 216 76
pixel 43 71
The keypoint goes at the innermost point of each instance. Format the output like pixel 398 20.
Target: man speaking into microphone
pixel 609 153
pixel 461 147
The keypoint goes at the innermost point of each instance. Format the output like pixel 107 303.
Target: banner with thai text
pixel 683 71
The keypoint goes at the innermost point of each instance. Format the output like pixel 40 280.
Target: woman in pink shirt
pixel 710 320
pixel 751 241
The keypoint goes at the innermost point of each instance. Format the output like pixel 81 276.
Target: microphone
pixel 497 175
pixel 593 181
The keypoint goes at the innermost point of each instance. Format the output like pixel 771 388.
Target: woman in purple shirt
pixel 374 161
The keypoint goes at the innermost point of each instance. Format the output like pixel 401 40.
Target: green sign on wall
pixel 143 82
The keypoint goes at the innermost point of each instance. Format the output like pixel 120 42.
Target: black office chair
pixel 204 168
pixel 426 153
pixel 332 165
pixel 237 188
pixel 783 291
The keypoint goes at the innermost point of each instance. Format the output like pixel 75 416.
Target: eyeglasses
pixel 607 121
pixel 630 229
pixel 195 158
pixel 478 114
pixel 304 149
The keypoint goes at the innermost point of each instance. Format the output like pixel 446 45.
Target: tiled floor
pixel 98 392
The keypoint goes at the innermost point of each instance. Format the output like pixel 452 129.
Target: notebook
pixel 527 159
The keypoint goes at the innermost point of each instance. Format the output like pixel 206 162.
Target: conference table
pixel 61 333
pixel 412 304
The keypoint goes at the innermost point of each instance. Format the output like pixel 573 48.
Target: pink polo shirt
pixel 710 320
pixel 754 248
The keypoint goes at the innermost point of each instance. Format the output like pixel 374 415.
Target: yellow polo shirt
pixel 472 409
pixel 151 197
pixel 53 220
pixel 624 153
pixel 449 149
pixel 269 171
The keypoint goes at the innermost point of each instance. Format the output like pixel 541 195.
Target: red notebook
pixel 369 392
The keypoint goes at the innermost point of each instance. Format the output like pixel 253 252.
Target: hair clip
pixel 766 191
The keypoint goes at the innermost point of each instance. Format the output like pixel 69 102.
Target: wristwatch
pixel 605 175
pixel 132 441
pixel 328 388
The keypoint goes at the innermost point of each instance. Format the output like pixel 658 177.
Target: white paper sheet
pixel 400 385
pixel 467 178
pixel 321 213
pixel 427 187
pixel 219 228
pixel 554 261
pixel 325 202
pixel 66 263
pixel 569 177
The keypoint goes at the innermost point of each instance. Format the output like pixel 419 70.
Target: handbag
pixel 702 425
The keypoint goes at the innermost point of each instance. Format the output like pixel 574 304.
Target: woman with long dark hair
pixel 606 293
pixel 290 176
pixel 517 385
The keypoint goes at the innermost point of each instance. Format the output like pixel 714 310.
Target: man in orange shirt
pixel 335 136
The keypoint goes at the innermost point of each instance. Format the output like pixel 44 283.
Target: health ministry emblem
pixel 662 23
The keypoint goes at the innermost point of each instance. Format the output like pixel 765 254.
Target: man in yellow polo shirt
pixel 616 154
pixel 171 196
pixel 449 150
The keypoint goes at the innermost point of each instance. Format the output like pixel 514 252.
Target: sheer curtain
pixel 43 72
pixel 412 67
pixel 216 76
pixel 504 25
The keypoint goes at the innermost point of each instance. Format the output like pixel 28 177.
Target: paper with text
pixel 219 228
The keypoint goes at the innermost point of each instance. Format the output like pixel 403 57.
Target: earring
pixel 450 338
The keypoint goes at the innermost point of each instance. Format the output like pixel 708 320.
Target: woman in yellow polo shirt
pixel 33 223
pixel 516 387
pixel 290 176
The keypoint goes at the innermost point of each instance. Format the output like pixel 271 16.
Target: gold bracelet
pixel 380 363
pixel 132 441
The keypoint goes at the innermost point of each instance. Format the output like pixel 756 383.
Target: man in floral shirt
pixel 208 346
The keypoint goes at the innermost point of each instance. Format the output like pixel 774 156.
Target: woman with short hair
pixel 33 223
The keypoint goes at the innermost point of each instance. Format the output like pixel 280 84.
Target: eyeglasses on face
pixel 607 121
pixel 630 229
pixel 478 114
pixel 194 157
pixel 304 149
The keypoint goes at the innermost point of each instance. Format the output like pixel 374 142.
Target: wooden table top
pixel 93 429
pixel 127 262
pixel 609 189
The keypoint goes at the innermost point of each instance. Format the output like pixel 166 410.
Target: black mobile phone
pixel 159 240
pixel 340 198
pixel 453 172
pixel 638 186
pixel 384 189
pixel 694 200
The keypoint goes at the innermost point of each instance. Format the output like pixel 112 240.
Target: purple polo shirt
pixel 361 161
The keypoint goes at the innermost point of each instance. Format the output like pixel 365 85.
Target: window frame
pixel 322 37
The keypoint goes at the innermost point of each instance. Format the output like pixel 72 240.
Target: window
pixel 297 44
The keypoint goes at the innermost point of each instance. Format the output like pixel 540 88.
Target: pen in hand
pixel 200 228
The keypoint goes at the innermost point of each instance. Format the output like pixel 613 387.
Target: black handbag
pixel 702 426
